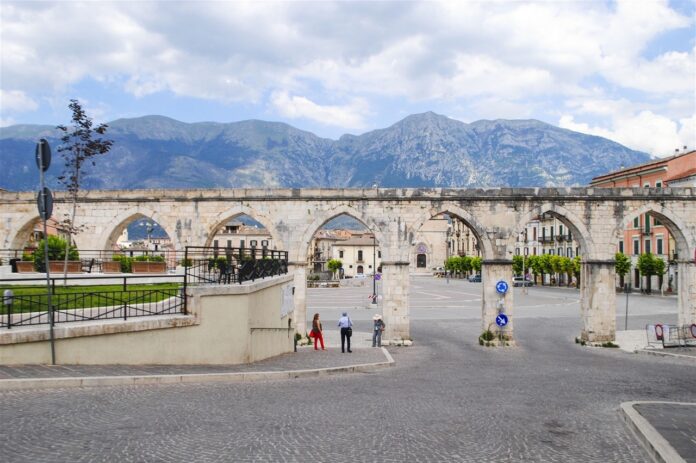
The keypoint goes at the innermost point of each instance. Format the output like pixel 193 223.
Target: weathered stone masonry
pixel 596 218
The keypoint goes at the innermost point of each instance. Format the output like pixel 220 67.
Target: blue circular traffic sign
pixel 501 286
pixel 501 319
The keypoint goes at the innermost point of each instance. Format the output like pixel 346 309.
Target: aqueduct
pixel 596 217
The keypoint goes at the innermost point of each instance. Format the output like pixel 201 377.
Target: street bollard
pixel 7 300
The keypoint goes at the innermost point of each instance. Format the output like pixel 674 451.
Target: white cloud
pixel 349 116
pixel 643 131
pixel 16 100
pixel 521 54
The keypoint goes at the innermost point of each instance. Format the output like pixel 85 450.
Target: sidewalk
pixel 305 363
pixel 666 429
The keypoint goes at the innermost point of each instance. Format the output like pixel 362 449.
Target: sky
pixel 624 70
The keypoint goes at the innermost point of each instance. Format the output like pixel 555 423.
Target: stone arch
pixel 237 211
pixel 115 227
pixel 471 221
pixel 325 216
pixel 21 236
pixel 567 217
pixel 674 224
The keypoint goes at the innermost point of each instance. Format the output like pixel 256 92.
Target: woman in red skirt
pixel 317 332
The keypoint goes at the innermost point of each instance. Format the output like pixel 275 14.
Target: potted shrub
pixel 56 256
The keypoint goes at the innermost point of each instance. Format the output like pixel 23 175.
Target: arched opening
pixel 29 236
pixel 241 231
pixel 343 270
pixel 343 248
pixel 547 251
pixel 421 261
pixel 140 233
pixel 653 257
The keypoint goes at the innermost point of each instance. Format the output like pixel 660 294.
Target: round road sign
pixel 501 319
pixel 501 286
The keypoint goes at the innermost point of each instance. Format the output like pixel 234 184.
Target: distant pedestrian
pixel 317 332
pixel 346 326
pixel 377 330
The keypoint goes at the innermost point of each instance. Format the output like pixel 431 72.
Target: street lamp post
pixel 374 268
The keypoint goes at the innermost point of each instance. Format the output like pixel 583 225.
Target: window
pixel 543 233
pixel 577 251
pixel 253 243
pixel 229 243
pixel 340 254
pixel 560 251
pixel 560 229
pixel 551 252
pixel 517 251
pixel 647 245
pixel 656 222
pixel 215 243
pixel 379 254
pixel 636 222
pixel 569 252
pixel 621 247
pixel 647 185
pixel 551 228
pixel 241 243
pixel 264 243
pixel 658 245
pixel 658 184
pixel 534 233
pixel 534 250
pixel 636 247
pixel 526 251
pixel 360 255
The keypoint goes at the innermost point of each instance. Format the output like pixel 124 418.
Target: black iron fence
pixel 28 305
pixel 213 265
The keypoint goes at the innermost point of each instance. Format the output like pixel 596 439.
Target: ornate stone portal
pixel 596 217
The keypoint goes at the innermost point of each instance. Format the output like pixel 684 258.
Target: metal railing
pixel 212 265
pixel 70 304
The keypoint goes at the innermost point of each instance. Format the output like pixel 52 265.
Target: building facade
pixel 646 233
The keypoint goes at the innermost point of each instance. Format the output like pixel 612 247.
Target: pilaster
pixel 493 271
pixel 598 300
pixel 395 287
pixel 299 270
pixel 686 299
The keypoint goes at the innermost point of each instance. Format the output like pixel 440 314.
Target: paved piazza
pixel 447 398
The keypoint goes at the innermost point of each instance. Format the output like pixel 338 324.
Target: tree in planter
pixel 334 265
pixel 647 267
pixel 79 146
pixel 622 265
pixel 56 251
pixel 556 267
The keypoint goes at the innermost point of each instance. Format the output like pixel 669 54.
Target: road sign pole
pixel 42 158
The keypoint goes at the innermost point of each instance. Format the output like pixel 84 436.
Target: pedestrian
pixel 317 332
pixel 377 330
pixel 346 326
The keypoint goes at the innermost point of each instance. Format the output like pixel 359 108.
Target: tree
pixel 647 267
pixel 577 266
pixel 556 267
pixel 80 144
pixel 476 264
pixel 622 266
pixel 660 270
pixel 334 265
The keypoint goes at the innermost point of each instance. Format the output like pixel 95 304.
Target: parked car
pixel 521 281
pixel 475 278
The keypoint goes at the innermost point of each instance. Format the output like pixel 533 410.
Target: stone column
pixel 395 309
pixel 492 271
pixel 598 300
pixel 686 299
pixel 299 269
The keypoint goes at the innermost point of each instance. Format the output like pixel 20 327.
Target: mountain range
pixel 422 150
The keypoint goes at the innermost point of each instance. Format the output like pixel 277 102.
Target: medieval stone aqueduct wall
pixel 596 217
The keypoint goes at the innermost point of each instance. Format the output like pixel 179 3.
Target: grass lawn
pixel 33 298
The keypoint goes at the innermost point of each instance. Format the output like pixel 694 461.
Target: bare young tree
pixel 80 144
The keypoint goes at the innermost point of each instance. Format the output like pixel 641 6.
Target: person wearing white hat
pixel 377 330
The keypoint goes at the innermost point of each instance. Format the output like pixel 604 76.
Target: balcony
pixel 546 239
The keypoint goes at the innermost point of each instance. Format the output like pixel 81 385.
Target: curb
pixel 657 446
pixel 665 354
pixel 245 377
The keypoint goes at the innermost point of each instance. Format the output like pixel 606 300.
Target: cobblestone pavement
pixel 306 358
pixel 447 399
pixel 676 423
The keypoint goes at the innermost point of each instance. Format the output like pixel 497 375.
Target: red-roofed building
pixel 647 234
